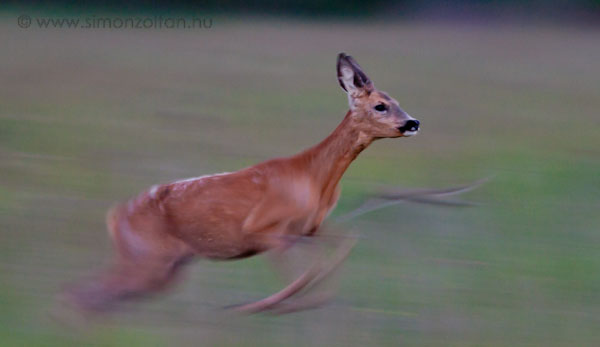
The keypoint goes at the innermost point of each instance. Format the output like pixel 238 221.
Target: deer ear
pixel 351 77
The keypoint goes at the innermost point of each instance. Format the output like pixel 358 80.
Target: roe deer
pixel 240 214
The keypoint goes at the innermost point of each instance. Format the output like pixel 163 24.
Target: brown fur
pixel 239 214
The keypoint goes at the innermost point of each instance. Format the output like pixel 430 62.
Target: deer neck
pixel 328 160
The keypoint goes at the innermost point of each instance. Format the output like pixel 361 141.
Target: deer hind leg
pixel 148 261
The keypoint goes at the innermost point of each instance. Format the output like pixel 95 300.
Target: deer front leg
pixel 320 269
pixel 342 246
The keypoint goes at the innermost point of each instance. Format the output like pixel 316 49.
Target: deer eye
pixel 380 107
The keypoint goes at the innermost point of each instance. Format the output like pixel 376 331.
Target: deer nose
pixel 411 125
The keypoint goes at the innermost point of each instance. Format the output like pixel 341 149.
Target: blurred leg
pixel 311 297
pixel 320 269
pixel 148 261
pixel 125 280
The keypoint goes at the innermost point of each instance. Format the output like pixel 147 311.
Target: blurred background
pixel 506 89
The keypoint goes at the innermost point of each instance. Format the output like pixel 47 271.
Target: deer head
pixel 374 112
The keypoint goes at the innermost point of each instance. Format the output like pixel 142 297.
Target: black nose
pixel 410 125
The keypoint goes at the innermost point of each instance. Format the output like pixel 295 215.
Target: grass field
pixel 88 118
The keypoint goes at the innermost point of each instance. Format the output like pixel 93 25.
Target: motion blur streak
pixel 91 117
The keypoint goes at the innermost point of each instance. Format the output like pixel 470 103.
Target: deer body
pixel 239 214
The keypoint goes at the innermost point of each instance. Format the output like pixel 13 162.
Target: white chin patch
pixel 410 133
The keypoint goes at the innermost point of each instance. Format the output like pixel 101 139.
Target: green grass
pixel 88 118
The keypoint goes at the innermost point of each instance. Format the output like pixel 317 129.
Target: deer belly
pixel 221 240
